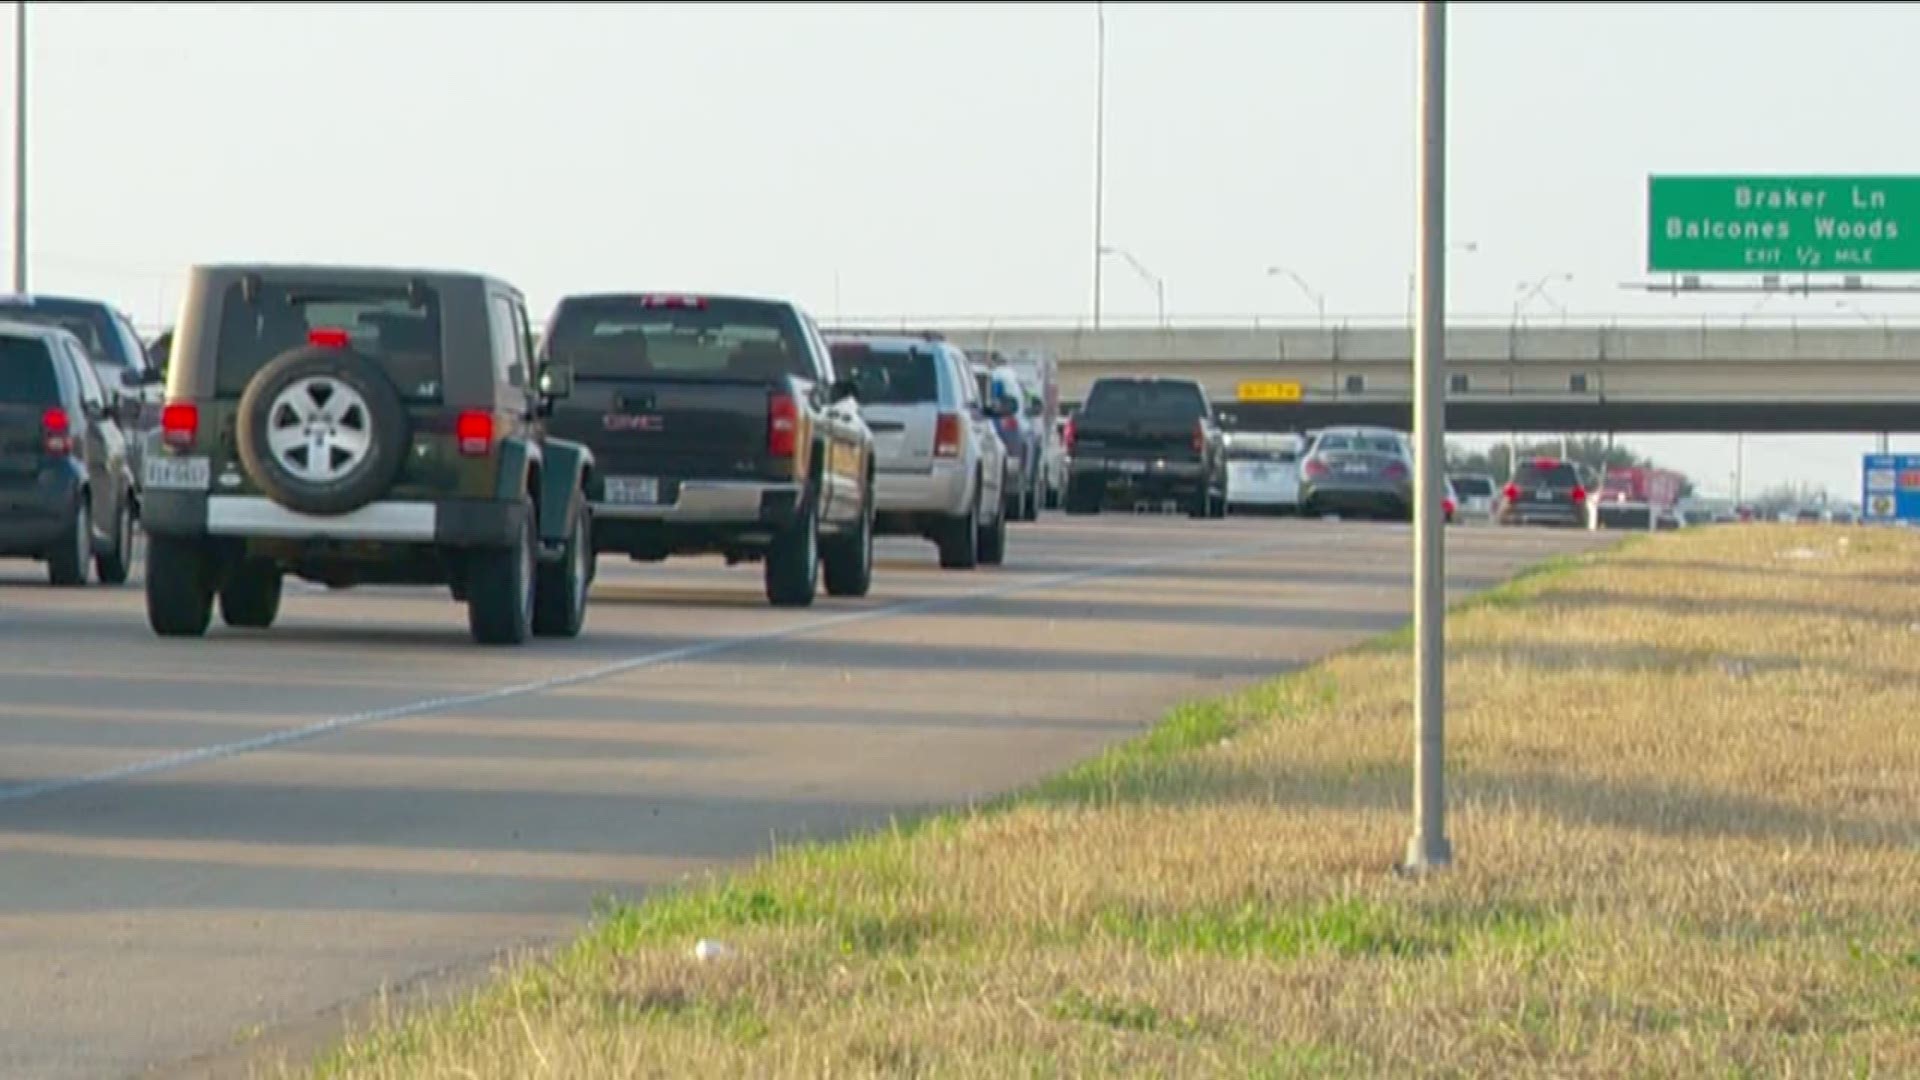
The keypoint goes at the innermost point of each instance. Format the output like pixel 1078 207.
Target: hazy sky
pixel 927 160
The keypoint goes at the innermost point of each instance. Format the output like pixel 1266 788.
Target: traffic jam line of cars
pixel 352 426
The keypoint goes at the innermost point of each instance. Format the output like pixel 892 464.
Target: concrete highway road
pixel 201 841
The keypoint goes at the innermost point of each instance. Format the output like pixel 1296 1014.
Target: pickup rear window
pixel 889 376
pixel 1121 401
pixel 681 338
pixel 89 322
pixel 400 334
pixel 26 377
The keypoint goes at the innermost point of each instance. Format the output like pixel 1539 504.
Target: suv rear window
pixel 1559 475
pixel 1156 401
pixel 399 333
pixel 1276 455
pixel 1473 487
pixel 635 337
pixel 26 377
pixel 889 375
pixel 89 322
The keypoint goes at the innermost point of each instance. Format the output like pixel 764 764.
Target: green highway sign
pixel 1783 224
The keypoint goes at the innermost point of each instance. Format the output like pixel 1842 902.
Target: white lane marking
pixel 288 736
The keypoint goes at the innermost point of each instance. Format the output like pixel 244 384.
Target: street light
pixel 1465 247
pixel 1099 150
pixel 1146 275
pixel 20 146
pixel 1525 292
pixel 1319 300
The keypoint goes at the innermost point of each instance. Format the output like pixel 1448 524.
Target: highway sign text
pixel 1269 391
pixel 1783 224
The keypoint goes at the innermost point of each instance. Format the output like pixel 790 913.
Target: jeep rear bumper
pixel 450 523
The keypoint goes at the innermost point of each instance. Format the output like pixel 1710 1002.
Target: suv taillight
pixel 56 432
pixel 783 425
pixel 946 436
pixel 180 424
pixel 1579 494
pixel 1512 492
pixel 1067 436
pixel 473 431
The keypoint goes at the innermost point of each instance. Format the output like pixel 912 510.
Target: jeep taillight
pixel 783 425
pixel 328 337
pixel 473 430
pixel 946 436
pixel 56 432
pixel 180 424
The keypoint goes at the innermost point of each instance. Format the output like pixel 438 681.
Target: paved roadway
pixel 204 839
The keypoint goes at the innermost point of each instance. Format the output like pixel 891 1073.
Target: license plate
pixel 163 473
pixel 1544 495
pixel 1354 470
pixel 633 490
pixel 1130 466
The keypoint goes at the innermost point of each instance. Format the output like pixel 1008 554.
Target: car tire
pixel 560 590
pixel 178 585
pixel 792 568
pixel 1201 508
pixel 273 401
pixel 959 540
pixel 993 542
pixel 501 584
pixel 250 598
pixel 72 554
pixel 114 565
pixel 849 559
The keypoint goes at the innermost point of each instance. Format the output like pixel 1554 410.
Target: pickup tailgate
pixel 667 429
pixel 1129 418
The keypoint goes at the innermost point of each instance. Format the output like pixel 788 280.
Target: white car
pixel 940 469
pixel 1476 496
pixel 1263 471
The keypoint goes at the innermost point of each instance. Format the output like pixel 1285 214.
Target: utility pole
pixel 20 146
pixel 1099 151
pixel 1428 848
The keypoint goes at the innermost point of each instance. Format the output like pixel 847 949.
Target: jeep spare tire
pixel 322 431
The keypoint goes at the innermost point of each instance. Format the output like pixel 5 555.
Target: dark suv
pixel 1545 491
pixel 362 426
pixel 66 489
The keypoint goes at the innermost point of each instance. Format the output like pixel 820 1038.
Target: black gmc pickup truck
pixel 718 427
pixel 1146 440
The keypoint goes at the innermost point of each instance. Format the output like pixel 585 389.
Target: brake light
pixel 327 337
pixel 1068 434
pixel 946 436
pixel 180 425
pixel 1579 494
pixel 1316 468
pixel 1009 425
pixel 56 432
pixel 783 426
pixel 689 302
pixel 1395 470
pixel 1447 506
pixel 1512 492
pixel 473 430
pixel 1199 438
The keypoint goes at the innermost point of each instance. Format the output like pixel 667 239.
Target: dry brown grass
pixel 1686 792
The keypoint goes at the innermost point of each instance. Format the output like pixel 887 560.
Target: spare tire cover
pixel 322 431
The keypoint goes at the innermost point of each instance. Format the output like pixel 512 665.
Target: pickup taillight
pixel 1199 438
pixel 946 436
pixel 783 425
pixel 1067 436
pixel 56 432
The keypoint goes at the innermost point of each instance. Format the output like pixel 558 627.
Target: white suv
pixel 940 467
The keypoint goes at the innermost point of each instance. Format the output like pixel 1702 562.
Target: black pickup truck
pixel 718 427
pixel 1146 440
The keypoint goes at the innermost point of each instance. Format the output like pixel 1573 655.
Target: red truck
pixel 1630 494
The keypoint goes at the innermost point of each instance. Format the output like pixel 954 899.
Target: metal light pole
pixel 20 146
pixel 1428 848
pixel 1319 299
pixel 1099 151
pixel 1159 284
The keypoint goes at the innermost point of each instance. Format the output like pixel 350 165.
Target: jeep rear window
pixel 402 335
pixel 26 378
pixel 889 376
pixel 683 338
pixel 1122 401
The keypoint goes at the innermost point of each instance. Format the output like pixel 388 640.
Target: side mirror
pixel 556 380
pixel 139 378
pixel 843 390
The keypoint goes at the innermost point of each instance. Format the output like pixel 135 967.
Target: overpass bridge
pixel 1586 375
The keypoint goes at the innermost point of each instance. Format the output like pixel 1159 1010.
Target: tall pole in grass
pixel 20 147
pixel 1429 849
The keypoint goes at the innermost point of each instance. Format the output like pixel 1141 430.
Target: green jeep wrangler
pixel 361 426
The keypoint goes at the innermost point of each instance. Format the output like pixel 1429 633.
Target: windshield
pixel 1259 453
pixel 1353 443
pixel 1472 487
pixel 633 337
pixel 1124 400
pixel 91 323
pixel 25 376
pixel 888 376
pixel 380 323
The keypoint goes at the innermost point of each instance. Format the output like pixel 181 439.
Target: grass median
pixel 1685 790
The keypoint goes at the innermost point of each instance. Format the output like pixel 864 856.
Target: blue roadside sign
pixel 1890 488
